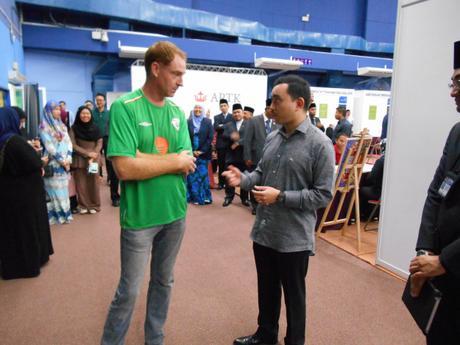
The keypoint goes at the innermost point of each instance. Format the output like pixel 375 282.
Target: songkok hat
pixel 249 109
pixel 457 55
pixel 312 105
pixel 223 101
pixel 268 102
pixel 236 106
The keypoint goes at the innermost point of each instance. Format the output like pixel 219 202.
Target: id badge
pixel 446 184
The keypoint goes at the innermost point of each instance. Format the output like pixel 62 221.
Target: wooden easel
pixel 348 178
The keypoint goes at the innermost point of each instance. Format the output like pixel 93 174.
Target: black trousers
pixel 367 193
pixel 445 329
pixel 113 178
pixel 277 270
pixel 230 191
pixel 221 156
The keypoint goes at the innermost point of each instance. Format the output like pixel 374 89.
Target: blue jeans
pixel 163 242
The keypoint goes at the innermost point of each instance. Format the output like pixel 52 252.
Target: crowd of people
pixel 47 179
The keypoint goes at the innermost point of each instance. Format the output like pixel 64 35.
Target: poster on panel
pixel 206 88
pixel 328 99
pixel 369 109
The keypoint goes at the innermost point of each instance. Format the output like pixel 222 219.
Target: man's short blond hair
pixel 162 52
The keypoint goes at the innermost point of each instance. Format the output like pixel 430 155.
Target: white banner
pixel 206 88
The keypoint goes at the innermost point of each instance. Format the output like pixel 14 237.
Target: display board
pixel 369 109
pixel 421 116
pixel 206 88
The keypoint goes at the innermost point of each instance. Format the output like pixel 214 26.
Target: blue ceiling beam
pixel 79 40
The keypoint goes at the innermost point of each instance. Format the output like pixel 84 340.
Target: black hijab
pixel 86 131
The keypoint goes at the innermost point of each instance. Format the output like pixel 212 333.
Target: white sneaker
pixel 83 211
pixel 92 211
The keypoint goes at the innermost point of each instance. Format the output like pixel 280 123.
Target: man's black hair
pixel 297 88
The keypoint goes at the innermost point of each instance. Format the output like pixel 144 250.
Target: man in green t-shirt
pixel 150 149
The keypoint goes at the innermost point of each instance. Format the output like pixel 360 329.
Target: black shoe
pixel 116 203
pixel 252 340
pixel 227 202
pixel 245 203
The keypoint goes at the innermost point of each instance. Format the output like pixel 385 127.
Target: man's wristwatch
pixel 281 197
pixel 422 252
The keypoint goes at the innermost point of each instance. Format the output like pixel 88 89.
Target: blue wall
pixel 10 46
pixel 333 23
pixel 66 76
pixel 122 81
pixel 380 23
pixel 371 19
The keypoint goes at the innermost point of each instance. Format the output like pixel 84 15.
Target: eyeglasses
pixel 454 84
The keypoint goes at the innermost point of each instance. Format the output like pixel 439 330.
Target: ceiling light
pixel 375 72
pixel 282 64
pixel 131 52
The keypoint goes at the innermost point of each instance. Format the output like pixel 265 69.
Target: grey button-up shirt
pixel 301 165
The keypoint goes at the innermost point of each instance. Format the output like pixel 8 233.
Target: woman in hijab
pixel 25 239
pixel 58 148
pixel 201 135
pixel 87 143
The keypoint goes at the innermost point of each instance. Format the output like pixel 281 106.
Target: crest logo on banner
pixel 200 97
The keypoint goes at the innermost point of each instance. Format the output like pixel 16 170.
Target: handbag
pixel 424 307
pixel 93 168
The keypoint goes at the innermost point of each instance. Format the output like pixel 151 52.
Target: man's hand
pixel 248 163
pixel 45 160
pixel 426 266
pixel 265 195
pixel 186 163
pixel 197 153
pixel 233 176
pixel 235 136
pixel 234 146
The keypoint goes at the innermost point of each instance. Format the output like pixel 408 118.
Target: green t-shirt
pixel 137 124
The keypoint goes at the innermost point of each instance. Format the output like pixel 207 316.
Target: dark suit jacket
pixel 375 177
pixel 234 156
pixel 315 122
pixel 254 139
pixel 219 122
pixel 205 135
pixel 440 229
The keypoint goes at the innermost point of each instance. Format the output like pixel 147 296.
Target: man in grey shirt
pixel 292 180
